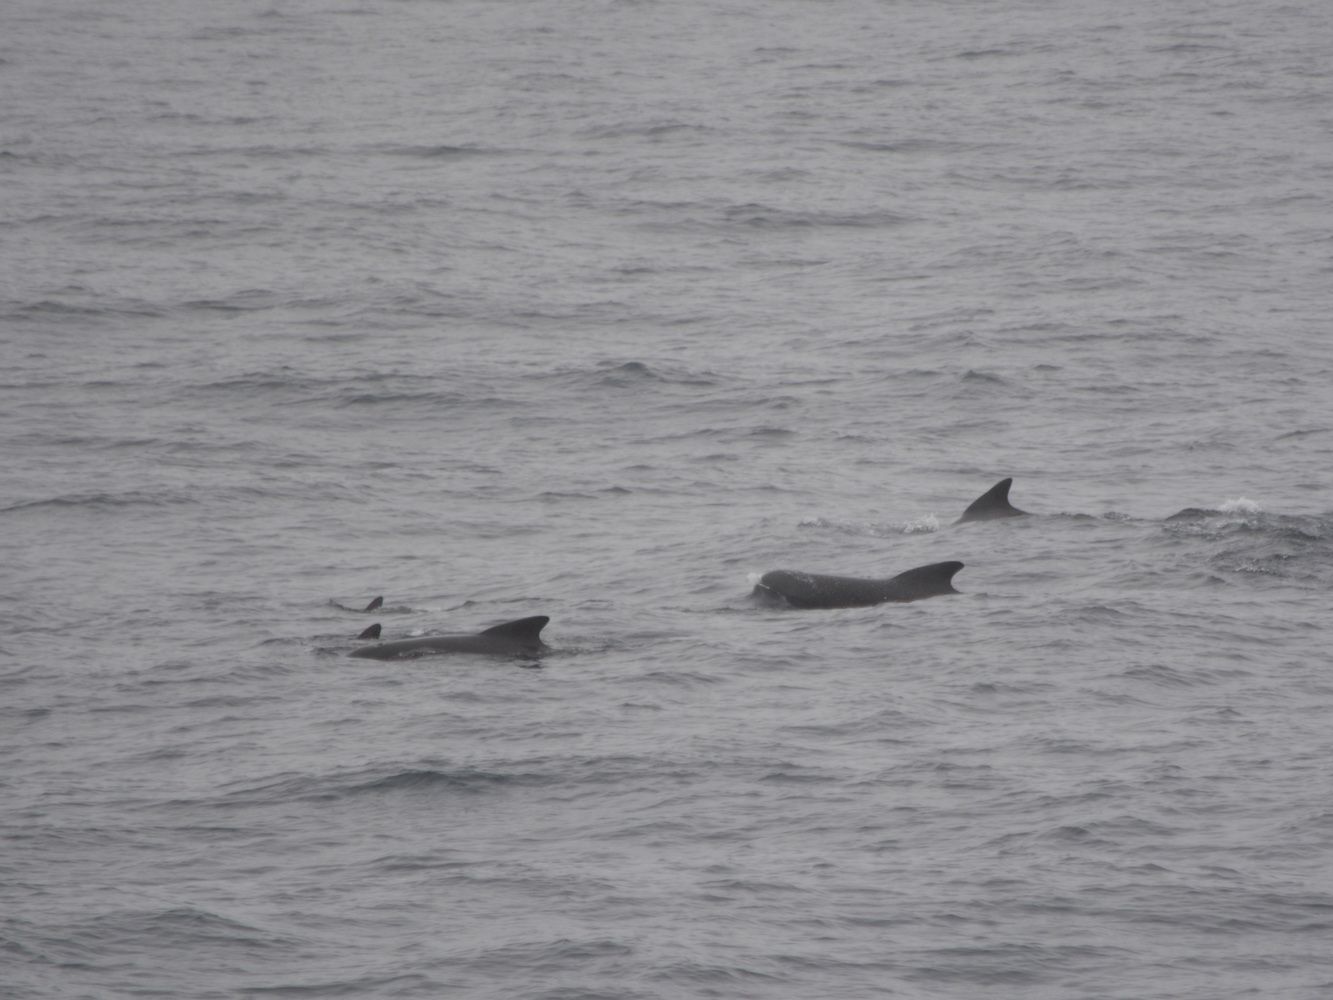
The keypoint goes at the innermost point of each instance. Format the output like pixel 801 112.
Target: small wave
pixel 1237 506
pixel 764 216
pixel 636 375
pixel 390 984
pixel 104 309
pixel 540 958
pixel 174 927
pixel 709 979
pixel 101 501
pixel 559 496
pixel 647 130
pixel 443 151
pixel 248 300
pixel 466 780
pixel 442 400
pixel 925 525
pixel 922 525
pixel 1303 433
pixel 909 146
pixel 1189 514
pixel 1255 545
pixel 54 308
pixel 1191 47
pixel 1160 675
pixel 1092 613
pixel 415 780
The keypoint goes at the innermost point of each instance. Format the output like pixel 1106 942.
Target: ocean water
pixel 598 310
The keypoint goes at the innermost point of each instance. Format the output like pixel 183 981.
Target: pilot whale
pixel 817 590
pixel 992 505
pixel 516 638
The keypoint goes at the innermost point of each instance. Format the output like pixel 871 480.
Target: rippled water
pixel 599 311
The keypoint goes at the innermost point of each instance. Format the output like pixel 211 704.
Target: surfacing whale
pixel 816 590
pixel 992 505
pixel 516 638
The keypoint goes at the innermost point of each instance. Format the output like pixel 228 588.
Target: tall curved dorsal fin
pixel 528 629
pixel 375 605
pixel 992 504
pixel 371 632
pixel 928 581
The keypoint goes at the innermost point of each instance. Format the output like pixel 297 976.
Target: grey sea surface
pixel 599 310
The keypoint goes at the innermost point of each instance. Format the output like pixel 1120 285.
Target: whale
pixel 370 632
pixel 818 590
pixel 992 505
pixel 516 638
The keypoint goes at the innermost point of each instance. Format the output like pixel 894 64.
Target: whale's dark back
pixel 516 638
pixel 818 590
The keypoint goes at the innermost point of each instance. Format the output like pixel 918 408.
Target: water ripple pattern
pixel 600 311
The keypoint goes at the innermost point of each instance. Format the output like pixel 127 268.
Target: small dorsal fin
pixel 992 504
pixel 376 604
pixel 529 629
pixel 371 632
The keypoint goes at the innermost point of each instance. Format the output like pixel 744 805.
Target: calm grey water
pixel 598 310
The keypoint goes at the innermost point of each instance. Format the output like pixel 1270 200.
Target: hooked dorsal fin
pixel 375 605
pixel 992 504
pixel 928 581
pixel 371 632
pixel 526 629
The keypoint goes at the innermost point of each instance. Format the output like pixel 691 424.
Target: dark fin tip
pixel 935 578
pixel 943 570
pixel 524 628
